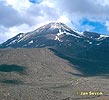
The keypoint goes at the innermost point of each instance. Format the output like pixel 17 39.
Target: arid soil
pixel 38 74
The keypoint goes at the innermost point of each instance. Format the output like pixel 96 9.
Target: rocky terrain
pixel 55 62
pixel 88 50
pixel 38 74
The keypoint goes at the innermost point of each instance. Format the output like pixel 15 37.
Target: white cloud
pixel 103 2
pixel 19 4
pixel 63 19
pixel 26 16
pixel 47 3
pixel 23 15
pixel 10 17
pixel 84 8
pixel 7 33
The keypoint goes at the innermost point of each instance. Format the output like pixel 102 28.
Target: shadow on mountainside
pixel 88 68
pixel 7 78
pixel 13 81
pixel 12 68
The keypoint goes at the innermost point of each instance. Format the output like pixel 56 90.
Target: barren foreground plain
pixel 39 74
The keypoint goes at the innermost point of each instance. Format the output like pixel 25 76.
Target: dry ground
pixel 37 74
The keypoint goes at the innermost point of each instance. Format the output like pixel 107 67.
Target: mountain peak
pixel 55 25
pixel 52 34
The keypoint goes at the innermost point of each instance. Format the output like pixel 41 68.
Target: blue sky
pixel 35 1
pixel 98 27
pixel 27 15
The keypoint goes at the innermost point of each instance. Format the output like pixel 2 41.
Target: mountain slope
pixel 40 63
pixel 54 62
pixel 84 48
pixel 31 74
pixel 52 34
pixel 48 33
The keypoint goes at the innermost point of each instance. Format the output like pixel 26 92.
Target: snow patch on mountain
pixel 55 25
pixel 57 38
pixel 20 36
pixel 60 33
pixel 12 42
pixel 80 33
pixel 54 31
pixel 31 42
pixel 72 35
pixel 99 43
pixel 90 42
pixel 102 37
pixel 66 33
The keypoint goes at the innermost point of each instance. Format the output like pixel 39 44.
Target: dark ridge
pixel 88 68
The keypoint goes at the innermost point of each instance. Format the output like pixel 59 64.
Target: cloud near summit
pixel 26 15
